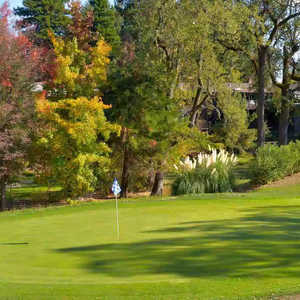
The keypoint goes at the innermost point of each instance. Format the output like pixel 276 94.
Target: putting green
pixel 226 246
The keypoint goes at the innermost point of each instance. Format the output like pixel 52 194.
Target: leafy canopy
pixel 75 138
pixel 42 16
pixel 105 22
pixel 79 72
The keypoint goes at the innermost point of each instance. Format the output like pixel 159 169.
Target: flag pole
pixel 117 214
pixel 116 190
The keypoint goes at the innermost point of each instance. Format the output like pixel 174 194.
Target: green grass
pixel 32 194
pixel 29 192
pixel 241 172
pixel 222 246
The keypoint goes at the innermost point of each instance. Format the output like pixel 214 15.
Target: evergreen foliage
pixel 42 16
pixel 169 66
pixel 105 22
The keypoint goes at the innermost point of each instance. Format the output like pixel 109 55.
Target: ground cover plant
pixel 214 246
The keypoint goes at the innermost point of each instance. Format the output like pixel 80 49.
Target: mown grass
pixel 26 191
pixel 32 192
pixel 242 173
pixel 221 246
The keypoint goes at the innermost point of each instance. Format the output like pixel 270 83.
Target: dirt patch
pixel 290 180
pixel 96 196
pixel 295 297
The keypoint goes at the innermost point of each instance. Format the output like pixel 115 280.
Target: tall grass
pixel 207 173
pixel 273 162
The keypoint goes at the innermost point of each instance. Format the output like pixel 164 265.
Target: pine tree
pixel 105 22
pixel 43 15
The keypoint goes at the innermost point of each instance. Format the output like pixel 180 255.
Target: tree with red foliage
pixel 20 61
pixel 81 24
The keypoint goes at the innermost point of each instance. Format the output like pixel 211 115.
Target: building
pixel 249 92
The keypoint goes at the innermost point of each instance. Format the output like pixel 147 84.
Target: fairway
pixel 222 246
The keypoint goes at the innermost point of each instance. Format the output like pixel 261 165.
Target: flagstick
pixel 118 229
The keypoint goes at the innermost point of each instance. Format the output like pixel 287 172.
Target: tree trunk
pixel 284 122
pixel 125 169
pixel 285 109
pixel 3 205
pixel 158 185
pixel 194 110
pixel 174 82
pixel 262 52
pixel 125 174
pixel 193 119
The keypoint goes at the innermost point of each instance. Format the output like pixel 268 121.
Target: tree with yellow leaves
pixel 76 131
pixel 79 72
pixel 75 140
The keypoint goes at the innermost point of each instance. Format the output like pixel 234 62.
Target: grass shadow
pixel 265 242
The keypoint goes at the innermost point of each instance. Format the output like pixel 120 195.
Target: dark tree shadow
pixel 265 242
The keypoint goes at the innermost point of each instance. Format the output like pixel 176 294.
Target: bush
pixel 273 162
pixel 233 130
pixel 210 173
pixel 73 202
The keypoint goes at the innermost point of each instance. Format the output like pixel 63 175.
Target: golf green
pixel 225 246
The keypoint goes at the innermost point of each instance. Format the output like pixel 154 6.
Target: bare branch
pixel 281 23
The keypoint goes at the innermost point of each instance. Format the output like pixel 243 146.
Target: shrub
pixel 73 202
pixel 208 173
pixel 273 162
pixel 233 130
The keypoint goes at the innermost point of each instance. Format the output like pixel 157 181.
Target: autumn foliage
pixel 81 25
pixel 75 131
pixel 19 66
pixel 75 140
pixel 79 71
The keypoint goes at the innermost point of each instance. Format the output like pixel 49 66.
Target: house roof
pixel 245 88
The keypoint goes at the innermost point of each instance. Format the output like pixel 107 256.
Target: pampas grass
pixel 207 173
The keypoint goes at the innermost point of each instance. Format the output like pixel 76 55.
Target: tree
pixel 81 25
pixel 169 33
pixel 233 128
pixel 20 61
pixel 250 27
pixel 40 16
pixel 75 128
pixel 143 91
pixel 283 67
pixel 79 71
pixel 75 140
pixel 154 135
pixel 105 22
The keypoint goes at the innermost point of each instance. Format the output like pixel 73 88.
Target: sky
pixel 12 3
pixel 16 3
